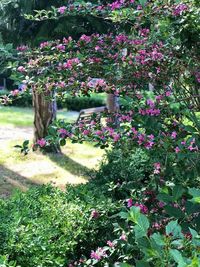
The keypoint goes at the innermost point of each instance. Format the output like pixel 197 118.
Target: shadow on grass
pixel 70 165
pixel 10 180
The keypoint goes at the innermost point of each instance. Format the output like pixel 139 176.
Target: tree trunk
pixel 44 114
pixel 112 103
pixel 113 107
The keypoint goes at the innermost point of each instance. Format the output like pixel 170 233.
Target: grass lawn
pixel 75 164
pixel 23 117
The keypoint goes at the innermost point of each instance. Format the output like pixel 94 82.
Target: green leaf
pixel 194 233
pixel 158 238
pixel 174 228
pixel 134 214
pixel 177 192
pixel 142 264
pixel 124 265
pixel 175 212
pixel 25 143
pixel 18 146
pixel 178 258
pixel 196 194
pixel 190 129
pixel 142 2
pixel 62 142
pixel 164 197
pixel 124 215
pixel 142 226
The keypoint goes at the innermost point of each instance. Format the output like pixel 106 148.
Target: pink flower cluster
pixel 99 254
pixel 157 168
pixel 69 64
pixel 179 9
pixel 22 48
pixel 62 9
pixel 142 139
pixel 41 142
pixel 15 92
pixel 142 207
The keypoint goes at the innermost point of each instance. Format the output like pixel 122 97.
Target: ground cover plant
pixel 148 185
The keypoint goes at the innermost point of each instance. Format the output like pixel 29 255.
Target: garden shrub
pixel 160 230
pixel 71 103
pixel 124 169
pixel 48 227
pixel 78 103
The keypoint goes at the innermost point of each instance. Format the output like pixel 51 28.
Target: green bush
pixel 47 227
pixel 124 170
pixel 78 103
pixel 71 103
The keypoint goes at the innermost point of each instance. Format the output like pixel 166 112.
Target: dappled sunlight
pixel 75 165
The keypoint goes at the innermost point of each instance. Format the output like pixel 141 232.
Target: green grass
pixel 75 164
pixel 23 117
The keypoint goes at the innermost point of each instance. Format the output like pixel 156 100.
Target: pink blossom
pixel 123 237
pixel 21 69
pixel 95 214
pixel 142 207
pixel 22 48
pixel 86 132
pixel 98 254
pixel 177 149
pixel 179 9
pixel 129 203
pixel 168 93
pixel 174 135
pixel 41 142
pixel 110 244
pixel 61 47
pixel 161 204
pixel 157 168
pixel 116 137
pixel 63 132
pixel 150 103
pixel 44 44
pixel 62 9
pixel 15 92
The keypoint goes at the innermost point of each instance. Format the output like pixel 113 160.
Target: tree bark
pixel 44 114
pixel 112 103
pixel 113 107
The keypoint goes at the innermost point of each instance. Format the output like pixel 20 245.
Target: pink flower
pixel 15 92
pixel 150 103
pixel 22 48
pixel 86 132
pixel 161 204
pixel 168 93
pixel 174 135
pixel 157 168
pixel 21 69
pixel 62 9
pixel 95 214
pixel 179 9
pixel 123 237
pixel 42 142
pixel 142 207
pixel 177 149
pixel 98 254
pixel 61 47
pixel 129 203
pixel 110 244
pixel 116 137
